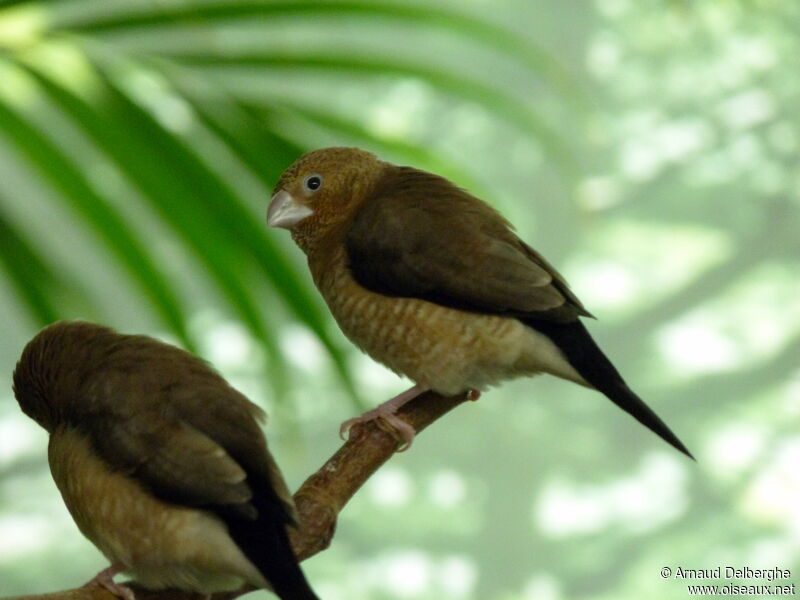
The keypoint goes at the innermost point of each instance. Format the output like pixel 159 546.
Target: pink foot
pixel 105 578
pixel 385 417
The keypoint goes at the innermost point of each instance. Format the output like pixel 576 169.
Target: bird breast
pixel 440 348
pixel 161 545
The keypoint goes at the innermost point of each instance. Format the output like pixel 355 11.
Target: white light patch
pixel 613 9
pixel 387 123
pixel 760 311
pixel 565 511
pixel 391 487
pixel 773 552
pixel 228 345
pixel 758 53
pixel 693 347
pixel 747 109
pixel 23 535
pixel 21 436
pixel 374 376
pixel 395 117
pixel 599 193
pixel 660 495
pixel 613 277
pixel 604 55
pixel 408 574
pixel 642 502
pixel 302 348
pixel 646 150
pixel 457 576
pixel 733 449
pixel 605 284
pixel 631 497
pixel 447 489
pixel 640 160
pixel 542 587
pixel 774 495
pixel 677 139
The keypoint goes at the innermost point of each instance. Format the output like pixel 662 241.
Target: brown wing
pixel 172 459
pixel 177 427
pixel 420 236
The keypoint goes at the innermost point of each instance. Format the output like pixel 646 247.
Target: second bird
pixel 435 284
pixel 161 463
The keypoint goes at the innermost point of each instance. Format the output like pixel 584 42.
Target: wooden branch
pixel 319 500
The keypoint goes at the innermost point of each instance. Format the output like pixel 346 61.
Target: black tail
pixel 266 543
pixel 585 356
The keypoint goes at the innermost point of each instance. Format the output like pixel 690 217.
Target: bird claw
pixel 473 395
pixel 120 591
pixel 344 428
pixel 387 421
pixel 105 578
pixel 398 429
pixel 386 418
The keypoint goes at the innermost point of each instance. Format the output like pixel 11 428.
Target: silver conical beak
pixel 286 212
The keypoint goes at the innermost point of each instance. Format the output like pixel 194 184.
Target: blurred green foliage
pixel 649 150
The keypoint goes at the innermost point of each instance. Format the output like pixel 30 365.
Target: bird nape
pixel 162 464
pixel 434 283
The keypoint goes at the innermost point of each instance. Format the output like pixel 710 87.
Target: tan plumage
pixel 161 544
pixel 434 283
pixel 161 463
pixel 446 350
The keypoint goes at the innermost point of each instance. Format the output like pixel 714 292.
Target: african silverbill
pixel 434 283
pixel 161 463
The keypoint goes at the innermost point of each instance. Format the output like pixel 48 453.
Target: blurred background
pixel 649 150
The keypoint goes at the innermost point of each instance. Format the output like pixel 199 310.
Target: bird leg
pixel 386 418
pixel 105 578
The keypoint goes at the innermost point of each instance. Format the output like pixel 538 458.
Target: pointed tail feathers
pixel 266 543
pixel 623 396
pixel 585 356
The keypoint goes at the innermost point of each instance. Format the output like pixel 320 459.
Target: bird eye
pixel 312 182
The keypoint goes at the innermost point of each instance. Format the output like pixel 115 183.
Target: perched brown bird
pixel 161 463
pixel 433 283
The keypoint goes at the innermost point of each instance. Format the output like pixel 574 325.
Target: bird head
pixel 320 191
pixel 48 375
